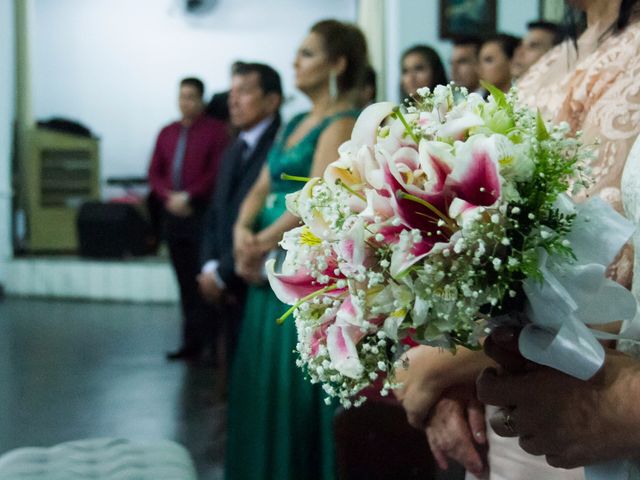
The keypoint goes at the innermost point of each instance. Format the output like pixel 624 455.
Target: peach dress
pixel 598 94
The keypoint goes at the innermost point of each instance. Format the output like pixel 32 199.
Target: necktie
pixel 241 154
pixel 243 150
pixel 178 159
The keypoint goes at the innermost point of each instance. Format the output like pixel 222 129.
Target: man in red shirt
pixel 182 173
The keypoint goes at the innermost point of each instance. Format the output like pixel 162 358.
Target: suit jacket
pixel 206 140
pixel 232 186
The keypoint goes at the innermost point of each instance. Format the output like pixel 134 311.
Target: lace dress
pixel 600 96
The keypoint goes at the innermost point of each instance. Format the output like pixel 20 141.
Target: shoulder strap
pixel 291 125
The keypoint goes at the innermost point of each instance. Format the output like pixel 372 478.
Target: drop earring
pixel 333 85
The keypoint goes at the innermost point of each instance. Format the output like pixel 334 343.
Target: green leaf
pixel 498 95
pixel 541 128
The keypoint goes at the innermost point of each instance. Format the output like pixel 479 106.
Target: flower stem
pixel 398 114
pixel 407 196
pixel 350 190
pixel 311 296
pixel 294 178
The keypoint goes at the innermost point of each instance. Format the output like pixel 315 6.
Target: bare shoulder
pixel 334 135
pixel 338 131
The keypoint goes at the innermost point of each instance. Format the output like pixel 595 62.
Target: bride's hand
pixel 430 372
pixel 421 387
pixel 456 430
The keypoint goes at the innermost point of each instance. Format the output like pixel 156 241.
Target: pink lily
pixel 353 252
pixel 343 337
pixel 377 206
pixel 365 131
pixel 319 335
pixel 342 350
pixel 475 179
pixel 409 173
pixel 300 285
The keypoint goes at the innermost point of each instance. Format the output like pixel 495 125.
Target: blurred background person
pixel 368 91
pixel 279 424
pixel 218 106
pixel 464 63
pixel 254 102
pixel 541 37
pixel 496 55
pixel 421 67
pixel 181 175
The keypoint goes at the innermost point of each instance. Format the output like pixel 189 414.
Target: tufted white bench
pixel 99 459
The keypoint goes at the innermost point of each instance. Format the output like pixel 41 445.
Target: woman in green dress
pixel 279 426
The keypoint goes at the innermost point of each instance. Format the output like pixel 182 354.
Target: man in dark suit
pixel 254 103
pixel 182 174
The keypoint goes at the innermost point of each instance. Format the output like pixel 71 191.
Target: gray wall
pixel 7 69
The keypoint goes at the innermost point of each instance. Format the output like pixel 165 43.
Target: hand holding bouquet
pixel 436 221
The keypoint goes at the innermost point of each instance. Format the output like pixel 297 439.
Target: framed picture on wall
pixel 552 10
pixel 459 18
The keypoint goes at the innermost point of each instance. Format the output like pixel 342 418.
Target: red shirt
pixel 206 140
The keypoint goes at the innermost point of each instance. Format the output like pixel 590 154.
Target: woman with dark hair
pixel 496 54
pixel 421 67
pixel 279 425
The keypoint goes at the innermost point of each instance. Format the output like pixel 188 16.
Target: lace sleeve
pixel 603 101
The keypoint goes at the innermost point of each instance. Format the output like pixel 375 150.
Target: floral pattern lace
pixel 601 97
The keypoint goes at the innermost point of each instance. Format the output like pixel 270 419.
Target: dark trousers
pixel 229 314
pixel 183 239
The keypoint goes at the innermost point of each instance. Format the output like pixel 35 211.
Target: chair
pixel 99 459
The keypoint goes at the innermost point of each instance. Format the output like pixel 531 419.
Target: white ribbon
pixel 573 295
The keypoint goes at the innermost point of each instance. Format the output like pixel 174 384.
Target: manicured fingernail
pixel 480 436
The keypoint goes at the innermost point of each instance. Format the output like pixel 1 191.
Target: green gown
pixel 278 425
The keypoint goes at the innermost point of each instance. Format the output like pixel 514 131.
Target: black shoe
pixel 183 354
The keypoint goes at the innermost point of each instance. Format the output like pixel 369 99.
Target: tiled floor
pixel 73 370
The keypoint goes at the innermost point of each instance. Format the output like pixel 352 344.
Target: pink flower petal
pixel 475 177
pixel 291 288
pixel 343 352
pixel 365 131
pixel 403 259
pixel 462 211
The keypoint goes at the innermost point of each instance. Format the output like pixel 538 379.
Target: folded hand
pixel 570 421
pixel 456 430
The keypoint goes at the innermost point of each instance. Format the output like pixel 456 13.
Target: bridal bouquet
pixel 436 223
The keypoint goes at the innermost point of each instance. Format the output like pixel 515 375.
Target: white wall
pixel 114 65
pixel 417 21
pixel 7 71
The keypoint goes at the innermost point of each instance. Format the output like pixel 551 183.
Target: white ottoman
pixel 100 459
